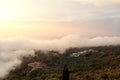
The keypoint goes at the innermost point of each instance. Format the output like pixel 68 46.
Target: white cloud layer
pixel 11 51
pixel 9 60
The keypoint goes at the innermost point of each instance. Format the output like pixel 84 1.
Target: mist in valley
pixel 12 51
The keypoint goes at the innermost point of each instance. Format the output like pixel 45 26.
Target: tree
pixel 65 75
pixel 105 77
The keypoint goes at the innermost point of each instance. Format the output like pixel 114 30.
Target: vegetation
pixel 101 64
pixel 65 75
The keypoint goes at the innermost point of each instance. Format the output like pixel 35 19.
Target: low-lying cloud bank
pixel 10 59
pixel 12 50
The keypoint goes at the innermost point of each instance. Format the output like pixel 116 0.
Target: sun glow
pixel 6 16
pixel 39 18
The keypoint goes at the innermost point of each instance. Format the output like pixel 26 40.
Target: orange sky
pixel 44 19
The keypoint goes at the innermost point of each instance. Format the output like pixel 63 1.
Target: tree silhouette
pixel 105 77
pixel 65 75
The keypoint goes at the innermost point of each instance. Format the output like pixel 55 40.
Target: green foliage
pixel 103 64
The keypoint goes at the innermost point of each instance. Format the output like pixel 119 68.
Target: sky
pixel 50 19
pixel 54 25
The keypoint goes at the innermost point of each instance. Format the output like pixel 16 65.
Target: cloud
pixel 63 13
pixel 9 60
pixel 104 26
pixel 99 2
pixel 101 16
pixel 12 50
pixel 57 44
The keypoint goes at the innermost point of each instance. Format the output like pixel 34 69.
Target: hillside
pixel 91 63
